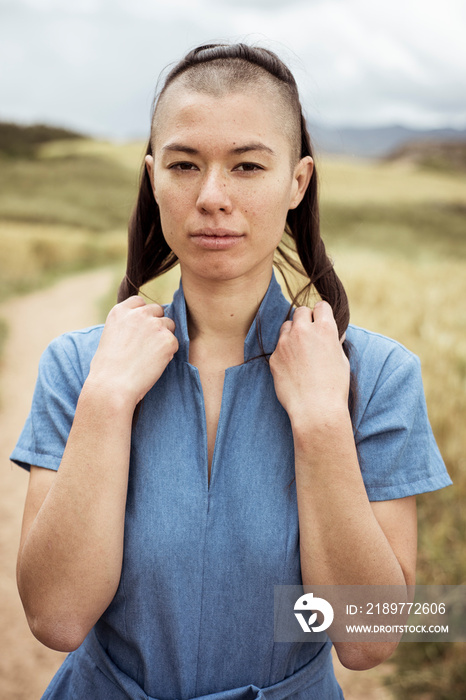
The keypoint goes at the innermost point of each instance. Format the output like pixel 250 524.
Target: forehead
pixel 231 117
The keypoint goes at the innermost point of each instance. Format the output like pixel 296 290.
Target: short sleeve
pixel 60 379
pixel 397 450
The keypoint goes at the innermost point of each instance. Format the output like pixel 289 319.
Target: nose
pixel 214 194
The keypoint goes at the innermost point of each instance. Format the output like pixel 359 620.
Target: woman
pixel 206 450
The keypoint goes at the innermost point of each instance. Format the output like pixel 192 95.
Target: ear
pixel 301 178
pixel 149 161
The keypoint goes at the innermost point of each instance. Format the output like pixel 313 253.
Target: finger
pixel 155 309
pixel 302 314
pixel 167 323
pixel 286 327
pixel 133 302
pixel 322 311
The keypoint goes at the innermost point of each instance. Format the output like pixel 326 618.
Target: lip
pixel 217 233
pixel 216 238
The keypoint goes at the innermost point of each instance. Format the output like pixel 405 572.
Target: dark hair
pixel 148 253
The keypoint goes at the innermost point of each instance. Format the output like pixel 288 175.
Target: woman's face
pixel 223 178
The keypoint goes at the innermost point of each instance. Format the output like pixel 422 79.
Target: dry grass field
pixel 397 235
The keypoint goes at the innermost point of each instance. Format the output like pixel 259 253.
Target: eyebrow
pixel 180 147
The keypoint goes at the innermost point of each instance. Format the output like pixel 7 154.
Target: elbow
pixel 64 637
pixel 60 631
pixel 61 626
pixel 361 657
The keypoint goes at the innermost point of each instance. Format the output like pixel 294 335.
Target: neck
pixel 221 312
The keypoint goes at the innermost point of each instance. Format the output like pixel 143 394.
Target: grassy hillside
pixel 18 141
pixel 394 207
pixel 433 154
pixel 64 210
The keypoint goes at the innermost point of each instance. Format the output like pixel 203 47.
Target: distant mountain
pixel 375 142
pixel 437 155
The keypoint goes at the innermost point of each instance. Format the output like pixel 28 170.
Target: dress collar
pixel 263 334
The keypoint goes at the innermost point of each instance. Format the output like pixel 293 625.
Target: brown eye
pixel 182 166
pixel 248 167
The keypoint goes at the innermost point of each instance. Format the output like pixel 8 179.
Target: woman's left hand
pixel 309 367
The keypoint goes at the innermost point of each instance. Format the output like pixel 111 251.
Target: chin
pixel 226 268
pixel 215 271
pixel 219 275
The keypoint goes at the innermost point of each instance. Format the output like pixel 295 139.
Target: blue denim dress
pixel 193 616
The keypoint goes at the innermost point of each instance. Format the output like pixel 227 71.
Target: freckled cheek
pixel 173 209
pixel 268 211
pixel 171 223
pixel 254 205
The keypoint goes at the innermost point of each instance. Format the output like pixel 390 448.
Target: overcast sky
pixel 93 64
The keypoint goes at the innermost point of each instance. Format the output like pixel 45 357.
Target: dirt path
pixel 26 666
pixel 34 320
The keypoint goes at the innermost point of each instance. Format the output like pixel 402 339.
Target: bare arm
pixel 344 539
pixel 70 556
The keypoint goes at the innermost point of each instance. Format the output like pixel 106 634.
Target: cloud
pixel 364 62
pixel 93 64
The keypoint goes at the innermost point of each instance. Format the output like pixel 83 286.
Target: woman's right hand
pixel 137 344
pixel 73 525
